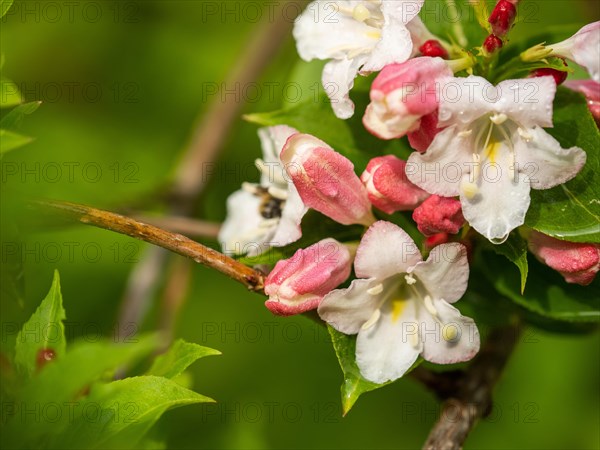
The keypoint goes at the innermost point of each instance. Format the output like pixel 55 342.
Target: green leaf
pixel 178 358
pixel 10 140
pixel 43 330
pixel 354 384
pixel 9 94
pixel 127 409
pixel 14 118
pixel 5 6
pixel 515 250
pixel 546 294
pixel 571 211
pixel 64 381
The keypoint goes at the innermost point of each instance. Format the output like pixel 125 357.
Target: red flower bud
pixel 492 43
pixel 439 215
pixel 558 75
pixel 433 48
pixel 502 17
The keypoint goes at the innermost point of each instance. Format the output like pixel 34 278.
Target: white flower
pixel 494 150
pixel 583 48
pixel 356 36
pixel 260 216
pixel 400 307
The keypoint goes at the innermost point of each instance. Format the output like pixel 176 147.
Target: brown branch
pixel 472 399
pixel 183 225
pixel 173 242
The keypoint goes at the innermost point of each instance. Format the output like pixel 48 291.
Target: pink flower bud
pixel 558 75
pixel 402 94
pixel 422 138
pixel 433 48
pixel 388 187
pixel 591 90
pixel 577 262
pixel 439 215
pixel 326 180
pixel 492 44
pixel 299 284
pixel 503 17
pixel 436 239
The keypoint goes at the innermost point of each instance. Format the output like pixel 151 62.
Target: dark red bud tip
pixel 44 356
pixel 492 43
pixel 433 48
pixel 436 239
pixel 502 17
pixel 558 75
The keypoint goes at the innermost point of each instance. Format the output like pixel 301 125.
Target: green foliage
pixel 89 410
pixel 44 330
pixel 571 211
pixel 354 384
pixel 9 94
pixel 515 250
pixel 5 6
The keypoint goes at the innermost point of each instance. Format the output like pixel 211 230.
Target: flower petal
pixel 497 205
pixel 542 160
pixel 288 230
pixel 445 274
pixel 464 100
pixel 338 78
pixel 440 169
pixel 347 310
pixel 528 101
pixel 449 339
pixel 385 351
pixel 272 140
pixel 385 250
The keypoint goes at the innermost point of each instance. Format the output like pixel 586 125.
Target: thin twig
pixel 183 225
pixel 473 398
pixel 173 242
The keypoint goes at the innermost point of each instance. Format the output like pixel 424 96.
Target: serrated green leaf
pixel 178 358
pixel 14 118
pixel 64 381
pixel 546 294
pixel 515 250
pixel 43 330
pixel 354 384
pixel 5 6
pixel 571 211
pixel 9 94
pixel 9 140
pixel 127 409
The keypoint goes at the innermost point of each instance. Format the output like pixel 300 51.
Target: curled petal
pixel 298 284
pixel 577 262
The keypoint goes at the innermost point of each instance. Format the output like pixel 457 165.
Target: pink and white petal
pixel 463 100
pixel 385 250
pixel 322 31
pixel 347 310
pixel 395 45
pixel 542 160
pixel 440 169
pixel 291 307
pixel 452 338
pixel 338 79
pixel 288 230
pixel 498 204
pixel 445 274
pixel 528 101
pixel 419 33
pixel 386 350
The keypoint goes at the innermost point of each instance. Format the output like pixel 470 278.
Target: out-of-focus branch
pixel 173 242
pixel 472 396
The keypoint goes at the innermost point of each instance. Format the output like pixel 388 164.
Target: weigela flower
pixel 400 306
pixel 421 138
pixel 577 262
pixel 298 284
pixel 439 215
pixel 591 90
pixel 326 180
pixel 494 151
pixel 268 214
pixel 356 36
pixel 402 94
pixel 388 188
pixel 583 48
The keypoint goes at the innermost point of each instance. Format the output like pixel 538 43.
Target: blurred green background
pixel 122 84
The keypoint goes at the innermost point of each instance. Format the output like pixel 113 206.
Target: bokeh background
pixel 123 85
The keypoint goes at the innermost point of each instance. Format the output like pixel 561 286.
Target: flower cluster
pixel 478 150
